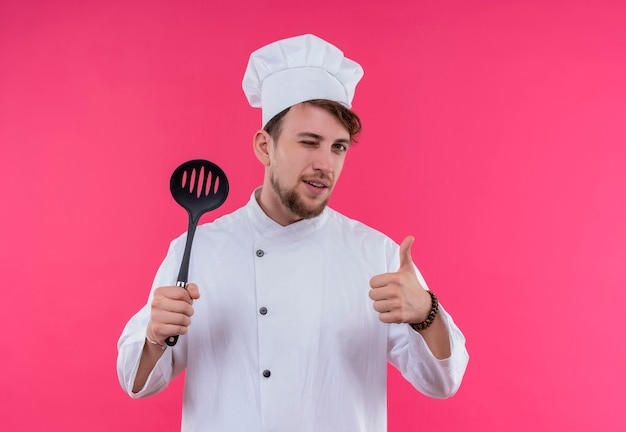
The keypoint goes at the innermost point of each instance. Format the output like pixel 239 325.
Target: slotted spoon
pixel 198 186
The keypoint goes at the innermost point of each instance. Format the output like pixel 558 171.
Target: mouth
pixel 318 187
pixel 317 184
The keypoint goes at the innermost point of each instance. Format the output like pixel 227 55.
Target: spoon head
pixel 199 186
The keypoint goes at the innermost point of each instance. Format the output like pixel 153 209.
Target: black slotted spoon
pixel 198 186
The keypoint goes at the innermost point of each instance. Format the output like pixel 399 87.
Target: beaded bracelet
pixel 153 342
pixel 434 308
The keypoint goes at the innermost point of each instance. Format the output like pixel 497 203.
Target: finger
pixel 389 317
pixel 383 306
pixel 165 324
pixel 381 280
pixel 163 331
pixel 377 294
pixel 163 303
pixel 171 318
pixel 194 292
pixel 406 262
pixel 176 293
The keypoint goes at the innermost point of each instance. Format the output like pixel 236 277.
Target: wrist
pixel 432 313
pixel 153 340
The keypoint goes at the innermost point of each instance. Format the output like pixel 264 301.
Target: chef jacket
pixel 284 336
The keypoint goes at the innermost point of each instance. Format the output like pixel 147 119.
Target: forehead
pixel 313 119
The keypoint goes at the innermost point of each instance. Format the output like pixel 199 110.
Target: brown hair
pixel 348 118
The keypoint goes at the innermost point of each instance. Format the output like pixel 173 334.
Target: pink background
pixel 494 133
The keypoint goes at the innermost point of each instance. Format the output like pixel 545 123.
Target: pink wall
pixel 494 132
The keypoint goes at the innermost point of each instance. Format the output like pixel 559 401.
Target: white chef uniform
pixel 284 336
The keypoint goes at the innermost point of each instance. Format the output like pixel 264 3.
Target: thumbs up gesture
pixel 399 297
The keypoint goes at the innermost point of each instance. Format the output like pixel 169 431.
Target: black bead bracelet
pixel 434 308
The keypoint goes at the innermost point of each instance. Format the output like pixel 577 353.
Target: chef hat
pixel 297 69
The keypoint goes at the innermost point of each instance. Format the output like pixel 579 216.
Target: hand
pixel 399 297
pixel 171 311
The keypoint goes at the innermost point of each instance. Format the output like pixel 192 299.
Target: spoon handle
pixel 171 341
pixel 184 266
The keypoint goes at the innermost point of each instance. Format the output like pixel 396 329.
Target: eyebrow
pixel 319 137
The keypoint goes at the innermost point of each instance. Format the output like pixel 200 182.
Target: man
pixel 301 307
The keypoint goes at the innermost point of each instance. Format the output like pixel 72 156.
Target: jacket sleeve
pixel 132 340
pixel 129 347
pixel 410 354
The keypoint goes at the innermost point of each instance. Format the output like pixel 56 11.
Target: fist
pixel 171 311
pixel 399 297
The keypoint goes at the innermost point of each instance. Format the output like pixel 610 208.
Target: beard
pixel 292 201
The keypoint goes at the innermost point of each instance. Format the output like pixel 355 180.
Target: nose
pixel 323 160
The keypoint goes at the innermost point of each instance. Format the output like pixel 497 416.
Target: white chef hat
pixel 289 71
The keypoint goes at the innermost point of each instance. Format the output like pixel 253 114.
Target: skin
pixel 301 170
pixel 310 151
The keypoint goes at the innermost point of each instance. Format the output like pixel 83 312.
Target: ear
pixel 261 143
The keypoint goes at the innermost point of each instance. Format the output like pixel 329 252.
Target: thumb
pixel 406 262
pixel 193 291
